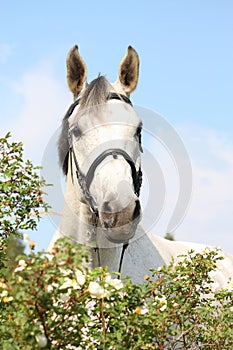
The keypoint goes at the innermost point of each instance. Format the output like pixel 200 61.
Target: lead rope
pixel 94 218
pixel 97 250
pixel 125 246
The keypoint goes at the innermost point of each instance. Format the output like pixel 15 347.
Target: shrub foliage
pixel 52 301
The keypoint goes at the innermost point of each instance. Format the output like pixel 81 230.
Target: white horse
pixel 99 151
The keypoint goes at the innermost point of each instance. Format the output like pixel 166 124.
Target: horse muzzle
pixel 120 227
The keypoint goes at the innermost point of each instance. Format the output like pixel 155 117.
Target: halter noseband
pixel 136 175
pixel 86 180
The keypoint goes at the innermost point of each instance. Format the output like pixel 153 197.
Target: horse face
pixel 113 178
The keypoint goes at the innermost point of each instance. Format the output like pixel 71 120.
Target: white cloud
pixel 5 52
pixel 210 216
pixel 43 105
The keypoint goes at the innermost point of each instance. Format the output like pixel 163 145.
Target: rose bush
pixel 21 198
pixel 51 301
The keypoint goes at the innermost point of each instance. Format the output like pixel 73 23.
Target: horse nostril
pixel 137 210
pixel 106 207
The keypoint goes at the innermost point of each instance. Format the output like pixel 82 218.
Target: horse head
pixel 100 145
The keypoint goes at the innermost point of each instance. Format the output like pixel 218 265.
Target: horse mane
pixel 95 94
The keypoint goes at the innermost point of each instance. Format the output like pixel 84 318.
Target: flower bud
pixel 41 340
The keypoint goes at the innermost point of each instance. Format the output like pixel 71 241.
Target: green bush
pixel 21 198
pixel 52 301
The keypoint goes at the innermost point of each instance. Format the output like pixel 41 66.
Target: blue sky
pixel 186 75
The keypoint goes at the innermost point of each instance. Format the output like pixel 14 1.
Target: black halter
pixel 86 180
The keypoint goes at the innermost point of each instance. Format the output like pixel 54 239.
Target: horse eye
pixel 76 131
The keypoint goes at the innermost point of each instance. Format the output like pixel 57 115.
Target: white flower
pixel 69 283
pixel 4 294
pixel 64 297
pixel 116 283
pixel 162 301
pixel 179 277
pixel 26 238
pixel 96 291
pixel 22 262
pixel 52 286
pixel 107 277
pixel 49 288
pixel 65 272
pixel 145 310
pixel 162 308
pixel 41 340
pixel 21 265
pixel 141 310
pixel 7 299
pixel 80 277
pixel 174 304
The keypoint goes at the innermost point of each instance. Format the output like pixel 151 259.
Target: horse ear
pixel 129 71
pixel 76 71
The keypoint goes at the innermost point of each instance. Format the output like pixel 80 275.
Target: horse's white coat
pixel 118 122
pixel 147 251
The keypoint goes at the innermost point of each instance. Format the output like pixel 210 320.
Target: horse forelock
pixel 95 94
